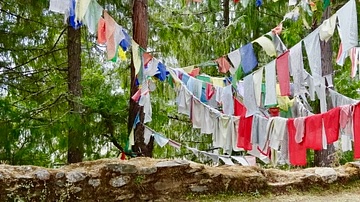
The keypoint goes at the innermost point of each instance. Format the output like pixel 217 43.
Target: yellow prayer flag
pixel 122 54
pixel 136 56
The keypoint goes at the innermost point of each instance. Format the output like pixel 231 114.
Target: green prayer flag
pixel 326 3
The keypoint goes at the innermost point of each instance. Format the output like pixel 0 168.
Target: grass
pixel 335 189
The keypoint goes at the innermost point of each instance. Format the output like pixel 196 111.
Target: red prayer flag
pixel 224 64
pixel 195 72
pixel 282 69
pixel 147 57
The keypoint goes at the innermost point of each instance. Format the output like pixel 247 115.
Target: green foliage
pixel 34 111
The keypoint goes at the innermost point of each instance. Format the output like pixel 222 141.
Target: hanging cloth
pixel 248 58
pixel 244 133
pixel 257 77
pixel 327 28
pixel 356 127
pixel 331 125
pixel 348 27
pixel 59 6
pixel 297 68
pixel 92 16
pixel 297 152
pixel 313 132
pixel 101 32
pixel 147 58
pixel 355 61
pixel 235 59
pixel 227 100
pixel 136 56
pixel 223 64
pixel 249 96
pixel 270 84
pixel 210 90
pixel 81 8
pixel 110 29
pixel 313 51
pixel 282 69
pixel 267 45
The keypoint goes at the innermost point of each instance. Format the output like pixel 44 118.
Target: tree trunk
pixel 75 144
pixel 140 35
pixel 226 12
pixel 326 157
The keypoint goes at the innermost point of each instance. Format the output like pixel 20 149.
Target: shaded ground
pixel 335 193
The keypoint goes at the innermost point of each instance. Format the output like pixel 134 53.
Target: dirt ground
pixel 338 193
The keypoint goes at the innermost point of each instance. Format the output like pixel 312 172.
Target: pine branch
pixel 58 39
pixel 39 56
pixel 26 19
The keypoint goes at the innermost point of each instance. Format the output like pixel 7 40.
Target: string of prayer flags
pixel 160 140
pixel 224 64
pixel 136 56
pixel 306 7
pixel 282 70
pixel 278 29
pixel 81 8
pixel 313 51
pixel 270 84
pixel 292 2
pixel 101 32
pixel 293 15
pixel 258 3
pixel 235 59
pixel 74 23
pixel 152 67
pixel 348 27
pixel 110 28
pixel 147 57
pixel 267 45
pixel 125 43
pixel 327 28
pixel 245 3
pixel 162 72
pixel 355 61
pixel 122 54
pixel 341 56
pixel 92 16
pixel 195 72
pixel 59 6
pixel 248 58
pixel 136 96
pixel 257 77
pixel 326 3
pixel 313 6
pixel 297 68
pixel 356 129
pixel 174 144
pixel 188 69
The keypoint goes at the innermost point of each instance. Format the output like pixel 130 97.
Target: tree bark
pixel 226 12
pixel 75 135
pixel 325 157
pixel 140 35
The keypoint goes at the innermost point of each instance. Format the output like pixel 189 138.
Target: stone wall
pixel 142 179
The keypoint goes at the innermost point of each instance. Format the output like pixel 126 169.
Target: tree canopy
pixel 34 109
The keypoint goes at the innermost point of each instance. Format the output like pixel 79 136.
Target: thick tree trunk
pixel 326 157
pixel 140 35
pixel 75 144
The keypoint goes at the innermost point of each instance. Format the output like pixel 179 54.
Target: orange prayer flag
pixel 224 64
pixel 101 33
pixel 147 58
